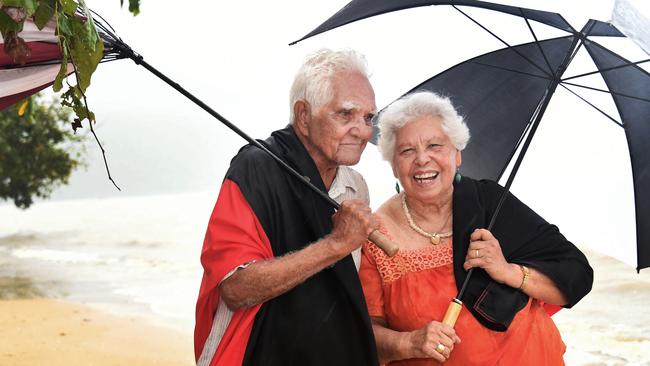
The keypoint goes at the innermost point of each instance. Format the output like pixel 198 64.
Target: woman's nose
pixel 421 157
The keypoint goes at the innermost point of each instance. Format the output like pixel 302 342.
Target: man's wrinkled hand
pixel 353 222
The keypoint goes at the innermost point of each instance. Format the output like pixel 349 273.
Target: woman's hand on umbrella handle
pixel 484 251
pixel 435 340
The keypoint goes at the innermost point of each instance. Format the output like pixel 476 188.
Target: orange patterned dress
pixel 414 287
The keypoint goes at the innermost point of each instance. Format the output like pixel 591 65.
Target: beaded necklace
pixel 434 237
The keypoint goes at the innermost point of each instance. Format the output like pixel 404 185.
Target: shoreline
pixel 39 331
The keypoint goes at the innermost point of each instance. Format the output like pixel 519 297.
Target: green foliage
pixel 81 45
pixel 28 5
pixel 44 13
pixel 85 46
pixel 134 6
pixel 38 151
pixel 8 25
pixel 69 7
pixel 72 99
pixel 78 37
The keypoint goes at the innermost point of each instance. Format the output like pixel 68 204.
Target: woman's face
pixel 425 160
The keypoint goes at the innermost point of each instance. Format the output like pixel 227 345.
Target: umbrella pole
pixel 456 304
pixel 389 247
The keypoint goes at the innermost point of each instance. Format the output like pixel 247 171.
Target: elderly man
pixel 280 285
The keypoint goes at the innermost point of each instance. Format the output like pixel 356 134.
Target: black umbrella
pixel 504 94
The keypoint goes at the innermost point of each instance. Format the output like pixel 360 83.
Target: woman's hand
pixel 485 252
pixel 426 342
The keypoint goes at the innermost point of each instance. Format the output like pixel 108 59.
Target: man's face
pixel 338 131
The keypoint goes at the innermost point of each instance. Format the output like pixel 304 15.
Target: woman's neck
pixel 431 212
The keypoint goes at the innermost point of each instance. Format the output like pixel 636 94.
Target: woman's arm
pixel 537 285
pixel 485 252
pixel 393 345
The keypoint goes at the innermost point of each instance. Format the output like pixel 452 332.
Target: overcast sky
pixel 234 56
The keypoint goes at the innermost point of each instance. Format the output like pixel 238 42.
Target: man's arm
pixel 264 280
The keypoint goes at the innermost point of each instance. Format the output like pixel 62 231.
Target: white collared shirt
pixel 349 184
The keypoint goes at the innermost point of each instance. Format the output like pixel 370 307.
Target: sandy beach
pixel 53 332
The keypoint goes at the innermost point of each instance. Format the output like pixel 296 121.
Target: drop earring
pixel 397 187
pixel 457 177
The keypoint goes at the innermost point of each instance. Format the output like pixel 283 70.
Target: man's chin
pixel 348 161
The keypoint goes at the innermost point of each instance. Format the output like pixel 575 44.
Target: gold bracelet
pixel 526 273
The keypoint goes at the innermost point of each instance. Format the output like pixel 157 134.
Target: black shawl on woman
pixel 525 238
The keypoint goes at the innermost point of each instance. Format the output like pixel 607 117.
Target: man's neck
pixel 328 176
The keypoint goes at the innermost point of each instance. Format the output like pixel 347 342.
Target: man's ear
pixel 301 116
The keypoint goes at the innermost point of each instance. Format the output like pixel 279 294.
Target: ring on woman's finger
pixel 477 254
pixel 440 348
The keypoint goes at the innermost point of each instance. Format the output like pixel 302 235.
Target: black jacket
pixel 525 238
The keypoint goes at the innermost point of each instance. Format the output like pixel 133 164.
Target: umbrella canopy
pixel 40 69
pixel 503 94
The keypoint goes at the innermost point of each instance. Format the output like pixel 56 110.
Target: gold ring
pixel 478 255
pixel 441 348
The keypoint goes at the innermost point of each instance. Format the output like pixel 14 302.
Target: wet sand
pixel 38 331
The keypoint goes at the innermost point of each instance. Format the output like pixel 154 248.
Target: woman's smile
pixel 425 178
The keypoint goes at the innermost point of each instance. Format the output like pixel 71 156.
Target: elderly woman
pixel 438 221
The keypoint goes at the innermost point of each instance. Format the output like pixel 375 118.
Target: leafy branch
pixel 79 43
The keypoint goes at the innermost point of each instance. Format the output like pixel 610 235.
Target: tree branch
pixel 90 122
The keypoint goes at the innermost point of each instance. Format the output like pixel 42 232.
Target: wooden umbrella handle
pixel 452 312
pixel 389 247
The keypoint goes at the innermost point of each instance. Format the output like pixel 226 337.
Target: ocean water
pixel 141 256
pixel 127 255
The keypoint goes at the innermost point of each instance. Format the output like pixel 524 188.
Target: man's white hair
pixel 313 81
pixel 415 106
